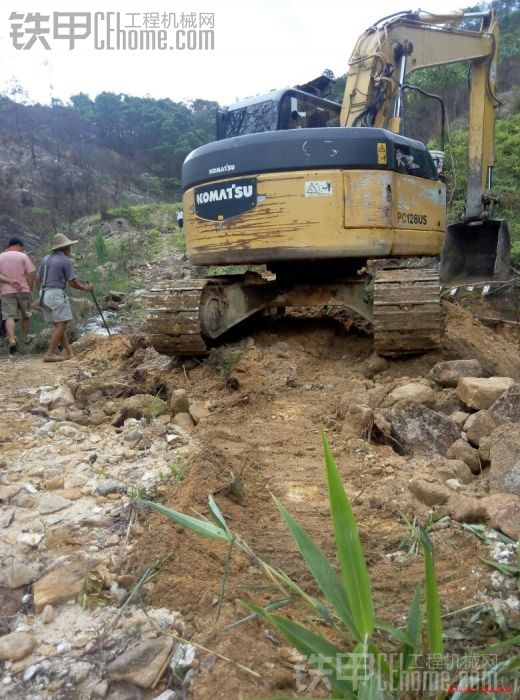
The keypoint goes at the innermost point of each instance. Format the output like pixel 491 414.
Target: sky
pixel 259 45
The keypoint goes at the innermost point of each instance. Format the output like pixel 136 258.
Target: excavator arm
pixel 390 51
pixel 382 59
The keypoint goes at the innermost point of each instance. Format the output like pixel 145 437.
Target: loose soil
pixel 270 395
pixel 292 377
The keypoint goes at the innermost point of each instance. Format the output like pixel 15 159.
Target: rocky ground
pixel 97 596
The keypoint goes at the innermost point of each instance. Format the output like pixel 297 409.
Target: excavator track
pixel 406 311
pixel 173 322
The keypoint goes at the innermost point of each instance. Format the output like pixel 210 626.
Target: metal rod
pixel 398 105
pixel 100 312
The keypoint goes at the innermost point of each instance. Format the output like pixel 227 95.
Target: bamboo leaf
pixel 271 606
pixel 320 652
pixel 320 567
pixel 433 606
pixel 395 632
pixel 364 666
pixel 381 659
pixel 413 630
pixel 505 569
pixel 512 642
pixel 282 579
pixel 370 689
pixel 349 549
pixel 200 527
pixel 217 514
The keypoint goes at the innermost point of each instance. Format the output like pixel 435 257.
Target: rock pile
pixel 463 428
pixel 67 518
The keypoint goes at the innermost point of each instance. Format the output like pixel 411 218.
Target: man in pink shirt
pixel 15 294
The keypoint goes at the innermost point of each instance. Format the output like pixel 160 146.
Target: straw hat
pixel 60 240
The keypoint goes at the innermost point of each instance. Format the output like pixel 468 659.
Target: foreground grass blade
pixel 201 527
pixel 433 605
pixel 349 549
pixel 217 514
pixel 370 689
pixel 505 569
pixel 511 642
pixel 324 575
pixel 271 606
pixel 413 630
pixel 395 632
pixel 320 651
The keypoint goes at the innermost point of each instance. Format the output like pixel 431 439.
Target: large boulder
pixel 179 402
pixel 63 583
pixel 460 418
pixel 503 513
pixel 374 365
pixel 481 424
pixel 445 469
pixel 61 397
pixel 198 410
pixel 16 646
pixel 505 409
pixel 413 391
pixel 484 449
pixel 507 406
pixel 429 491
pixel 358 420
pixel 184 421
pixel 449 373
pixel 464 509
pixel 142 664
pixel 481 393
pixel 92 389
pixel 420 430
pixel 16 574
pixel 504 476
pixel 463 451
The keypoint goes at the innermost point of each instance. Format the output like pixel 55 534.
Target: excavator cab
pixel 278 110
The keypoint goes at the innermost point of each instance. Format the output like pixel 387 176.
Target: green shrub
pixel 101 248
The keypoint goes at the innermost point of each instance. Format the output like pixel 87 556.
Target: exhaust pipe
pixel 476 251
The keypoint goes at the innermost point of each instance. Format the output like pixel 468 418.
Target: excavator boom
pixel 384 56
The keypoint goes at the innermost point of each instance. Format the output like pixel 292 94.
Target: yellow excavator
pixel 318 194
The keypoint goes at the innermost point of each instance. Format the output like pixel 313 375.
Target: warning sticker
pixel 318 188
pixel 381 153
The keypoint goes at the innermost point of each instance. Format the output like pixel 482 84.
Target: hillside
pixel 61 162
pixel 64 161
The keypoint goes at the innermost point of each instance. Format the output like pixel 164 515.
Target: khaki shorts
pixel 56 306
pixel 16 305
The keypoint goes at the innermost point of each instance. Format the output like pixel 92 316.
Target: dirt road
pixel 80 441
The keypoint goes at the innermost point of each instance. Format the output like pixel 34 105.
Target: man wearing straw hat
pixel 54 273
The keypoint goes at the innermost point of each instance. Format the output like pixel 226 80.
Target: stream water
pixel 95 324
